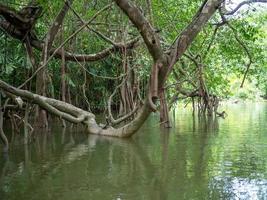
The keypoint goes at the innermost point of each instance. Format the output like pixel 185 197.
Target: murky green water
pixel 197 159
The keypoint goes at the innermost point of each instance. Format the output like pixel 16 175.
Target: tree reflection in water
pixel 199 158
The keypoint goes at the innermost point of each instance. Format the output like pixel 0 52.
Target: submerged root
pixel 76 115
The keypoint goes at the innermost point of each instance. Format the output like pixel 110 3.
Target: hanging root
pixel 153 89
pixel 110 117
pixel 152 105
pixel 2 134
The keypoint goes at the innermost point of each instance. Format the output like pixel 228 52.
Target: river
pixel 199 158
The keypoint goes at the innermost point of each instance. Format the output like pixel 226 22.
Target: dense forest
pixel 124 59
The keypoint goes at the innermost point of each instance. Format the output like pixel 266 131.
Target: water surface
pixel 197 159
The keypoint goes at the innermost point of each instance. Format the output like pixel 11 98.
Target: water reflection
pixel 200 158
pixel 239 188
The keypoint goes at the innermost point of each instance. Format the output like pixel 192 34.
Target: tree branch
pixel 17 33
pixel 242 4
pixel 187 36
pixel 51 35
pixel 148 33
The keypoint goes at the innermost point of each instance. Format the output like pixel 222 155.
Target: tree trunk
pixel 164 110
pixel 2 134
pixel 41 84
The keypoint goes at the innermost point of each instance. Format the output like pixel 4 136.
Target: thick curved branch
pixel 77 115
pixel 8 13
pixel 99 55
pixel 38 44
pixel 142 24
pixel 17 33
pixel 23 20
pixel 242 4
pixel 58 108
